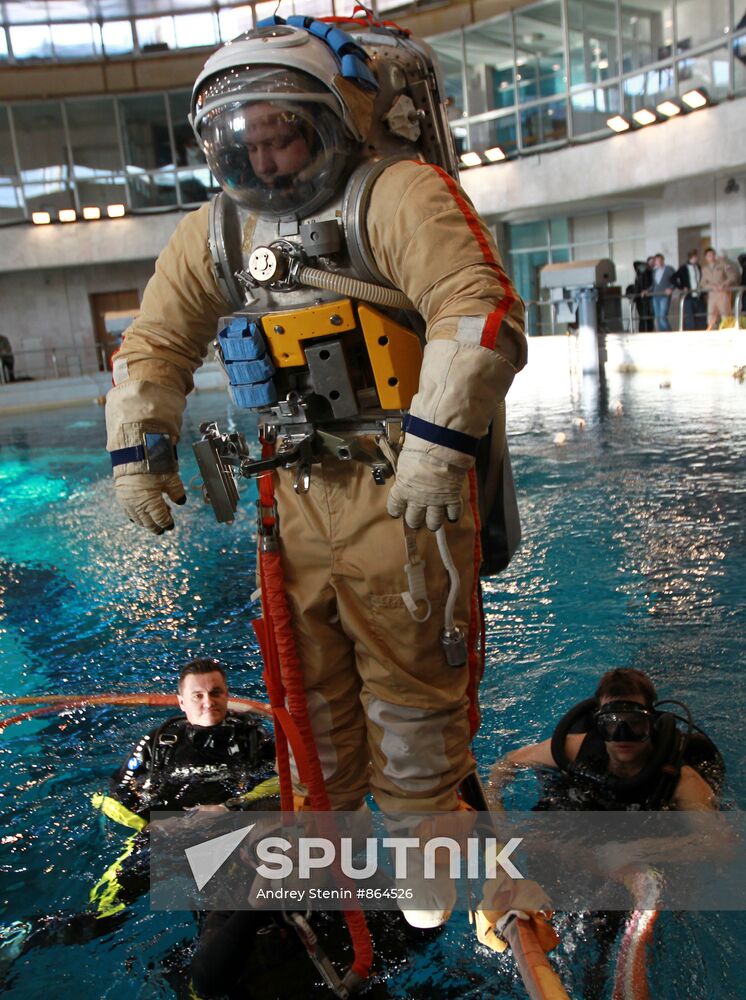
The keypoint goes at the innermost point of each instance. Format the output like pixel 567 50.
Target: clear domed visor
pixel 278 153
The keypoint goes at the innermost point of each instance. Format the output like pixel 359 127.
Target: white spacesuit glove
pixel 426 490
pixel 142 422
pixel 141 498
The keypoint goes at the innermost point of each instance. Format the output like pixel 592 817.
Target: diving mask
pixel 624 722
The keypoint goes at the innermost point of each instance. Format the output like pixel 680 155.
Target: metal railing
pixel 541 319
pixel 50 362
pixel 737 293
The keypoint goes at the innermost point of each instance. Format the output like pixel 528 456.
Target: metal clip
pixel 342 987
pixel 267 534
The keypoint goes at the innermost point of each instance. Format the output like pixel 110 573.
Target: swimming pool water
pixel 633 555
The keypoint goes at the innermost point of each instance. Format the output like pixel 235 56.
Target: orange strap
pixel 287 694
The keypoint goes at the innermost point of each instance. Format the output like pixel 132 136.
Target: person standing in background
pixel 660 291
pixel 718 275
pixel 689 279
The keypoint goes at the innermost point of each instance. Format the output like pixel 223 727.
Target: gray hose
pixel 353 288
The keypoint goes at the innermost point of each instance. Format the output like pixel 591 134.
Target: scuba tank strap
pixel 163 743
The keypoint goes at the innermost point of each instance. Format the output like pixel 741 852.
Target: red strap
pixel 495 319
pixel 284 679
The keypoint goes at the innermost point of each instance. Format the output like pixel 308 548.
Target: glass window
pixel 592 108
pixel 196 185
pixel 502 132
pixel 266 9
pixel 739 65
pixel 593 41
pixel 192 30
pixel 156 34
pixel 645 90
pixel 647 32
pixel 11 199
pixel 188 153
pixel 235 21
pixel 315 8
pixel 710 71
pixel 3 46
pixel 105 189
pixel 31 41
pixel 76 41
pixel 540 53
pixel 145 132
pixel 698 22
pixel 490 70
pixel 152 190
pixel 117 38
pixel 526 235
pixel 448 50
pixel 543 124
pixel 92 127
pixel 559 232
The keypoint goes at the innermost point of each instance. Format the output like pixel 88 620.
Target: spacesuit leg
pixel 420 712
pixel 326 653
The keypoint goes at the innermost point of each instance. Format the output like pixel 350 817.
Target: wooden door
pixel 112 313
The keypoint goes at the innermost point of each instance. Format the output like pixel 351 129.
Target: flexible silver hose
pixel 354 288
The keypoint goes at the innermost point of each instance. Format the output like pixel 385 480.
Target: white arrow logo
pixel 205 858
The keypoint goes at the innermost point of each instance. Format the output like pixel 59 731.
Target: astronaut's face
pixel 203 698
pixel 277 147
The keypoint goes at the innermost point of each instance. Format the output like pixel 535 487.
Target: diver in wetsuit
pixel 618 751
pixel 203 759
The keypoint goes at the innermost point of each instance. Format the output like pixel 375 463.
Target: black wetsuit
pixel 174 767
pixel 179 765
pixel 568 793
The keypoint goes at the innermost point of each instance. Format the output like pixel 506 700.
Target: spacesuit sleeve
pixel 168 340
pixel 428 241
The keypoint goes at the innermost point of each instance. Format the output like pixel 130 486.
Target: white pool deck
pixel 673 355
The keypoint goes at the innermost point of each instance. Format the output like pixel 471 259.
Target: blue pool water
pixel 633 555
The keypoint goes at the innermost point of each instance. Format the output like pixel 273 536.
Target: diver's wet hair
pixel 203 666
pixel 622 682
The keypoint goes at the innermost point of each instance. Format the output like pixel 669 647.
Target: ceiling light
pixel 668 109
pixel 67 215
pixel 471 159
pixel 115 211
pixel 695 99
pixel 92 212
pixel 494 154
pixel 618 124
pixel 41 218
pixel 644 117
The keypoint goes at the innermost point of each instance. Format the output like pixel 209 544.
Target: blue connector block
pixel 252 396
pixel 248 372
pixel 353 68
pixel 241 340
pixel 270 22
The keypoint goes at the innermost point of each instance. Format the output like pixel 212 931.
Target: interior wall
pixel 51 309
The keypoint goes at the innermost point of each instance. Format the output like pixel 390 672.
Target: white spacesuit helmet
pixel 272 113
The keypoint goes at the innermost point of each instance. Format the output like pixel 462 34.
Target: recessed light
pixel 92 212
pixel 694 99
pixel 644 117
pixel 41 218
pixel 668 109
pixel 67 215
pixel 471 159
pixel 618 124
pixel 494 154
pixel 115 211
